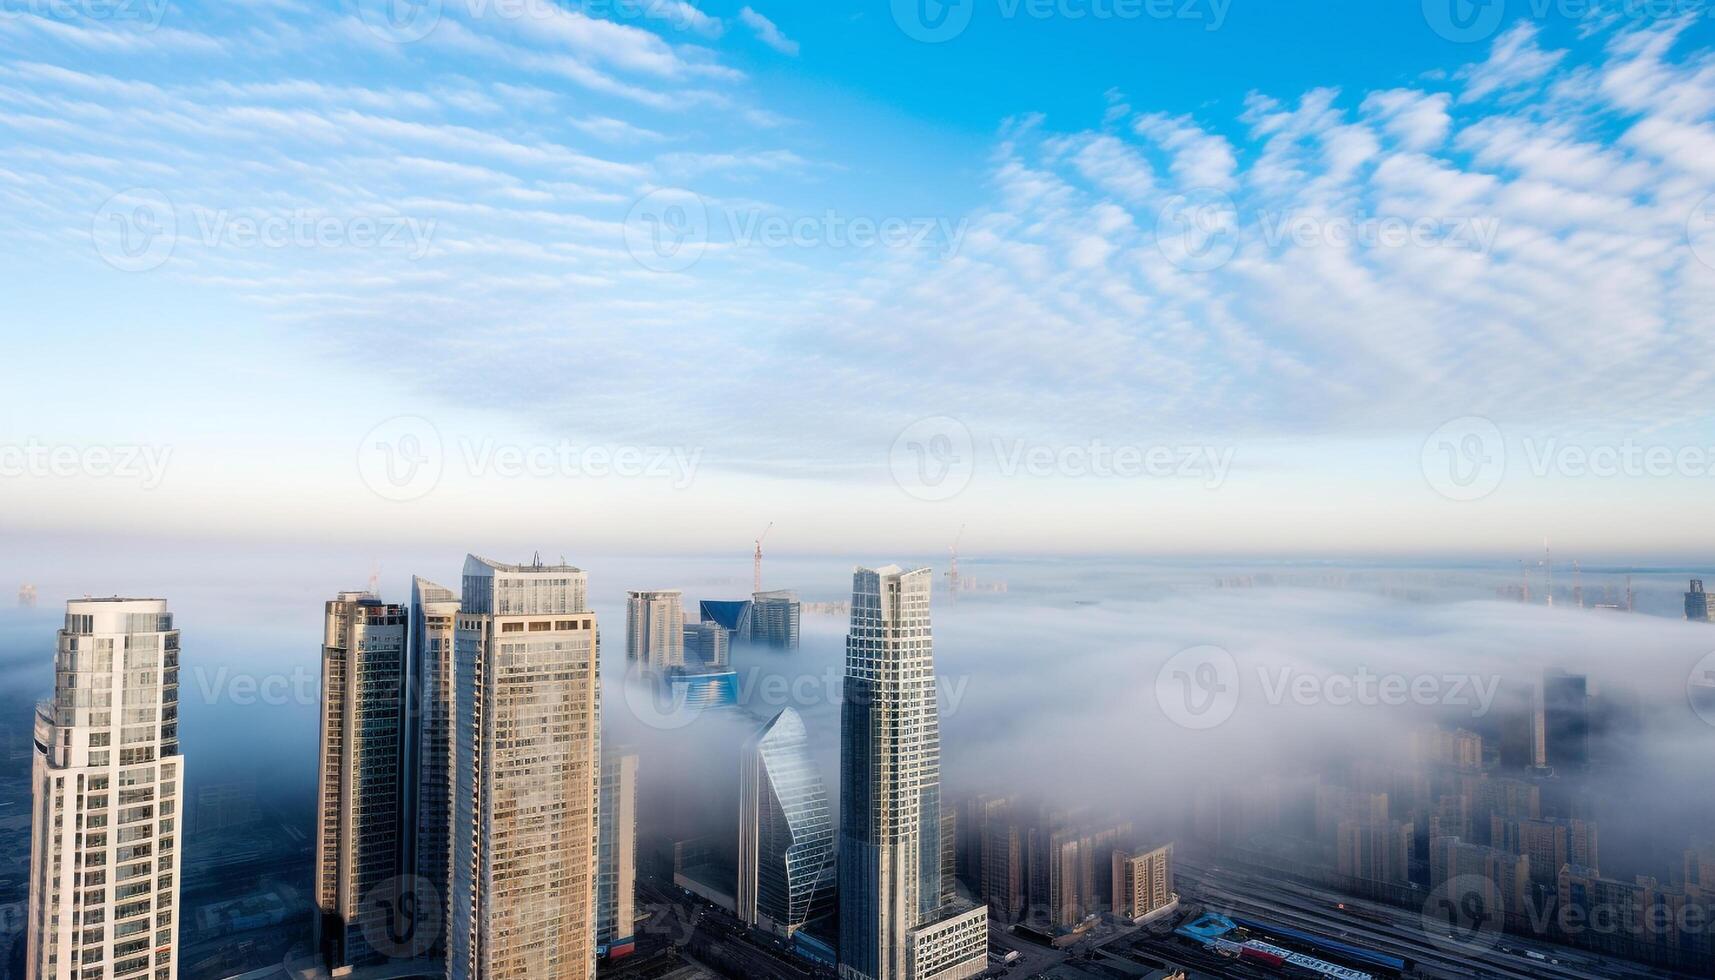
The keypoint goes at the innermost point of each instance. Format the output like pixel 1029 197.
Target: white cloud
pixel 767 32
pixel 1515 61
pixel 1419 120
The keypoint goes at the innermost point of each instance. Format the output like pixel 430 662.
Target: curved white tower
pixel 108 779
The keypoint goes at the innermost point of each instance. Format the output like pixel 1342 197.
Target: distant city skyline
pixel 1072 488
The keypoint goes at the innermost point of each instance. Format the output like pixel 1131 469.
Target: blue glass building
pixel 786 830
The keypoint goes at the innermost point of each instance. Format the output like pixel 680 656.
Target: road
pixel 1402 934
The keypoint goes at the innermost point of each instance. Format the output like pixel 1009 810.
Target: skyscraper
pixel 774 618
pixel 731 615
pixel 1566 719
pixel 1524 726
pixel 892 925
pixel 108 784
pixel 1143 882
pixel 434 613
pixel 360 765
pixel 1697 603
pixel 786 829
pixel 616 885
pixel 526 761
pixel 655 629
pixel 707 644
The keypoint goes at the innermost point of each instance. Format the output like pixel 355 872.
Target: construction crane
pixel 756 568
pixel 1548 569
pixel 953 563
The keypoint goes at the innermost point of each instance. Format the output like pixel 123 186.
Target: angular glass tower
pixel 786 829
pixel 892 923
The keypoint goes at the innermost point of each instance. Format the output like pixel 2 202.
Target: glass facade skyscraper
pixel 359 790
pixel 655 629
pixel 616 887
pixel 774 619
pixel 434 611
pixel 786 830
pixel 892 923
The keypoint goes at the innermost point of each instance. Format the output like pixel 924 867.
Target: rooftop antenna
pixel 756 561
pixel 375 579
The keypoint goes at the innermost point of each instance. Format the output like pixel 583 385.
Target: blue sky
pixel 1088 275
